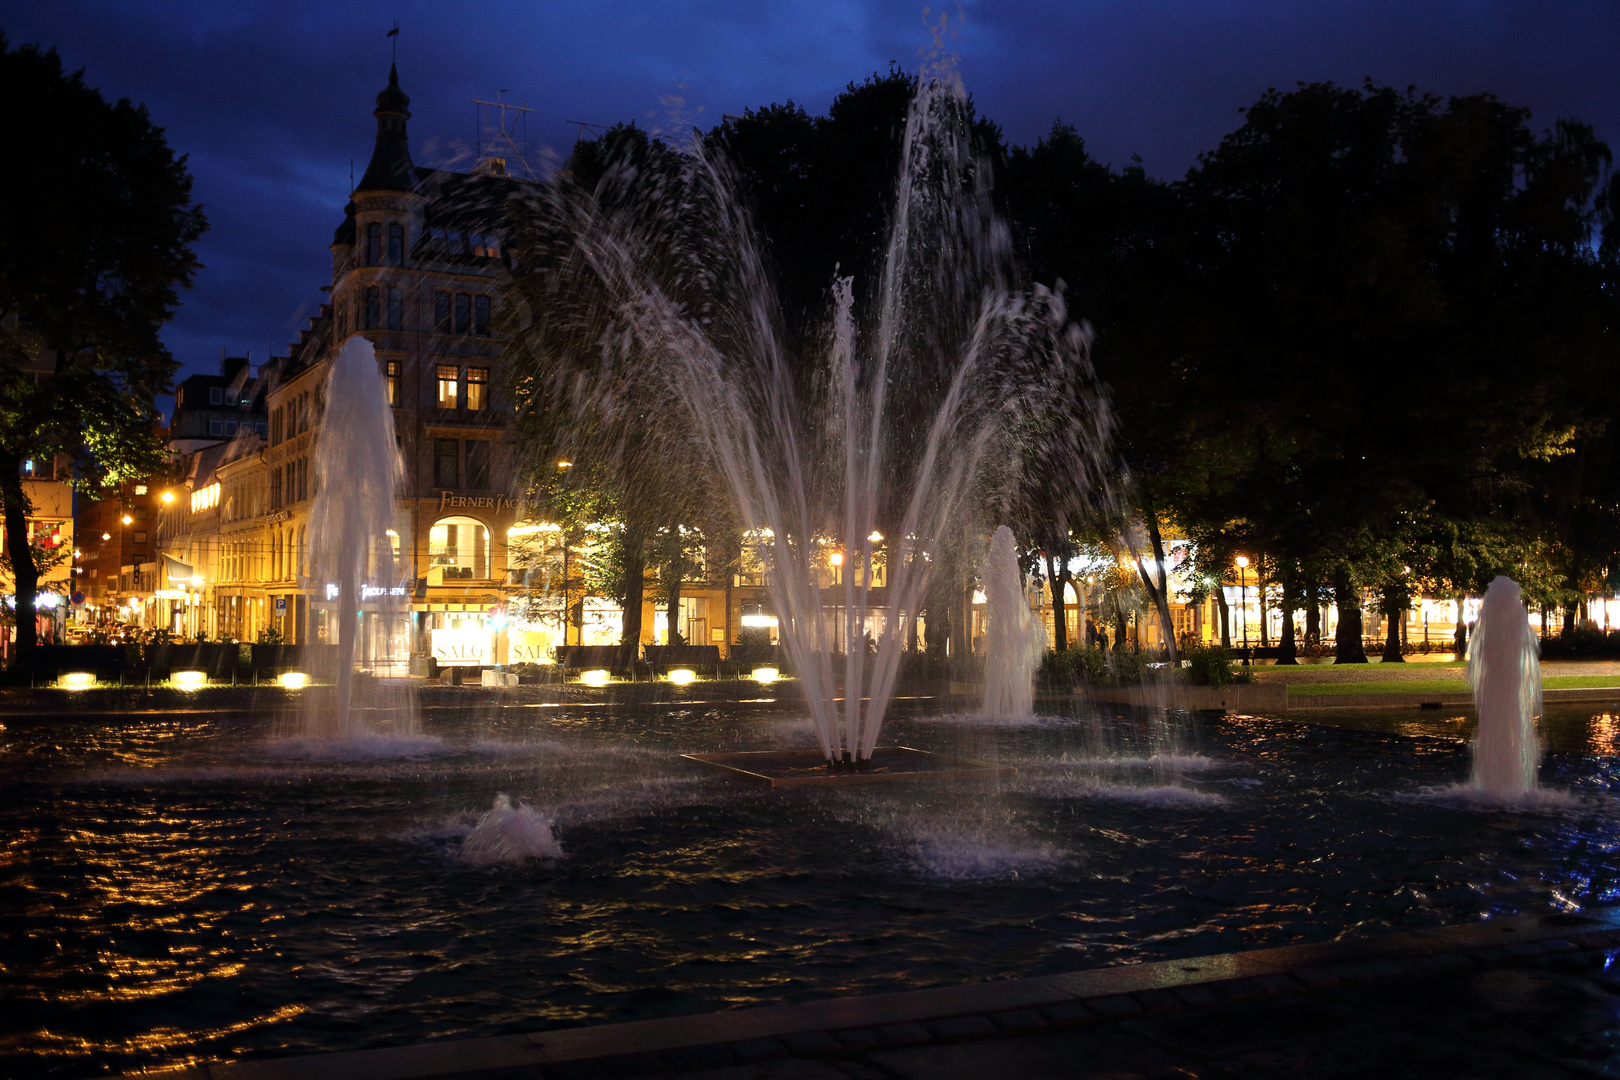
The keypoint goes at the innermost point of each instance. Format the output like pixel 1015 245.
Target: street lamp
pixel 1243 600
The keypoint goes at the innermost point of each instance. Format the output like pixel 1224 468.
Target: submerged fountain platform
pixel 793 768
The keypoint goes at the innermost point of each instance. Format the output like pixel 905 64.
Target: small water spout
pixel 1014 641
pixel 1504 670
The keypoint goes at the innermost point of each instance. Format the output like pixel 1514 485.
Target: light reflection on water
pixel 182 889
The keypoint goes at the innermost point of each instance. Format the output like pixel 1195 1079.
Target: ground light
pixel 681 676
pixel 293 680
pixel 77 680
pixel 594 677
pixel 188 680
pixel 766 675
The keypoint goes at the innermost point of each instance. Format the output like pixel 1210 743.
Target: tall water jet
pixel 1014 641
pixel 912 415
pixel 351 553
pixel 1504 670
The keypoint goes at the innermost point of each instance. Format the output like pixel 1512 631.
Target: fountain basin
pixel 889 764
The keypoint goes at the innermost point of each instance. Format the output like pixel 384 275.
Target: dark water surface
pixel 197 888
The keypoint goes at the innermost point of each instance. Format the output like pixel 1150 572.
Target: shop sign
pixel 529 647
pixel 463 648
pixel 450 500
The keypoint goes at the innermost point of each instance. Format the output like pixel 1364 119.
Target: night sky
pixel 273 100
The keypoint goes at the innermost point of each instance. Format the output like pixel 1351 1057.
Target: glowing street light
pixel 1243 600
pixel 168 496
pixel 106 536
pixel 127 520
pixel 565 464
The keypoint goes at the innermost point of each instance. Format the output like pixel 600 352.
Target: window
pixel 441 313
pixel 303 479
pixel 216 427
pixel 140 489
pixel 448 377
pixel 275 487
pixel 392 369
pixel 373 244
pixel 396 308
pixel 216 395
pixel 444 462
pixel 140 537
pixel 463 313
pixel 460 546
pixel 230 427
pixel 373 307
pixel 481 316
pixel 478 388
pixel 477 464
pixel 396 245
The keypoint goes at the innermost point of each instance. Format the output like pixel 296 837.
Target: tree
pixel 96 241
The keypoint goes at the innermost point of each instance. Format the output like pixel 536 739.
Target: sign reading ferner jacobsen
pixel 450 500
pixel 464 648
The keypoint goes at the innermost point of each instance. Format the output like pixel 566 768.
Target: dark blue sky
pixel 272 100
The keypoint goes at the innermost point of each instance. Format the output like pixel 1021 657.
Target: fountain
pixel 351 554
pixel 1014 641
pixel 887 446
pixel 1504 670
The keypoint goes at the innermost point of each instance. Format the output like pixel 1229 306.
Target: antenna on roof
pixel 583 125
pixel 493 161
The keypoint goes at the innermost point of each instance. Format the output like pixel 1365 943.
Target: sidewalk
pixel 1528 996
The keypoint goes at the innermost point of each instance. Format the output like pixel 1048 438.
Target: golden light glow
pixel 682 676
pixel 1243 561
pixel 293 680
pixel 766 675
pixel 106 536
pixel 565 464
pixel 876 537
pixel 205 499
pixel 594 677
pixel 168 496
pixel 188 680
pixel 836 558
pixel 77 680
pixel 127 520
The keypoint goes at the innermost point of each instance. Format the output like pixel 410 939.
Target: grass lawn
pixel 1440 686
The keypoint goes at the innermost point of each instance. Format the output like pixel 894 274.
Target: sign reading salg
pixel 464 648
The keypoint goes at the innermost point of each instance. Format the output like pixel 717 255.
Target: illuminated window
pixel 449 377
pixel 205 498
pixel 477 388
pixel 459 545
pixel 393 382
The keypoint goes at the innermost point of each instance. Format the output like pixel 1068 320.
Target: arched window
pixel 373 244
pixel 461 546
pixel 396 245
pixel 301 561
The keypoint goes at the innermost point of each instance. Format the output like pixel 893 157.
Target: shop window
pixel 481 316
pixel 449 378
pixel 477 464
pixel 460 547
pixel 477 388
pixel 444 462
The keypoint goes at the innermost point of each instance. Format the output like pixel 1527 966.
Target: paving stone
pixel 905 1034
pixel 1197 996
pixel 712 1056
pixel 1490 957
pixel 1316 978
pixel 605 1068
pixel 1020 1020
pixel 1385 969
pixel 1068 1013
pixel 757 1049
pixel 1277 984
pixel 961 1027
pixel 1115 1006
pixel 1156 1001
pixel 809 1042
pixel 1526 950
pixel 859 1038
pixel 1558 945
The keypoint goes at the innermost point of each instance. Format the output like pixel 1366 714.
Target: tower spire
pixel 391 168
